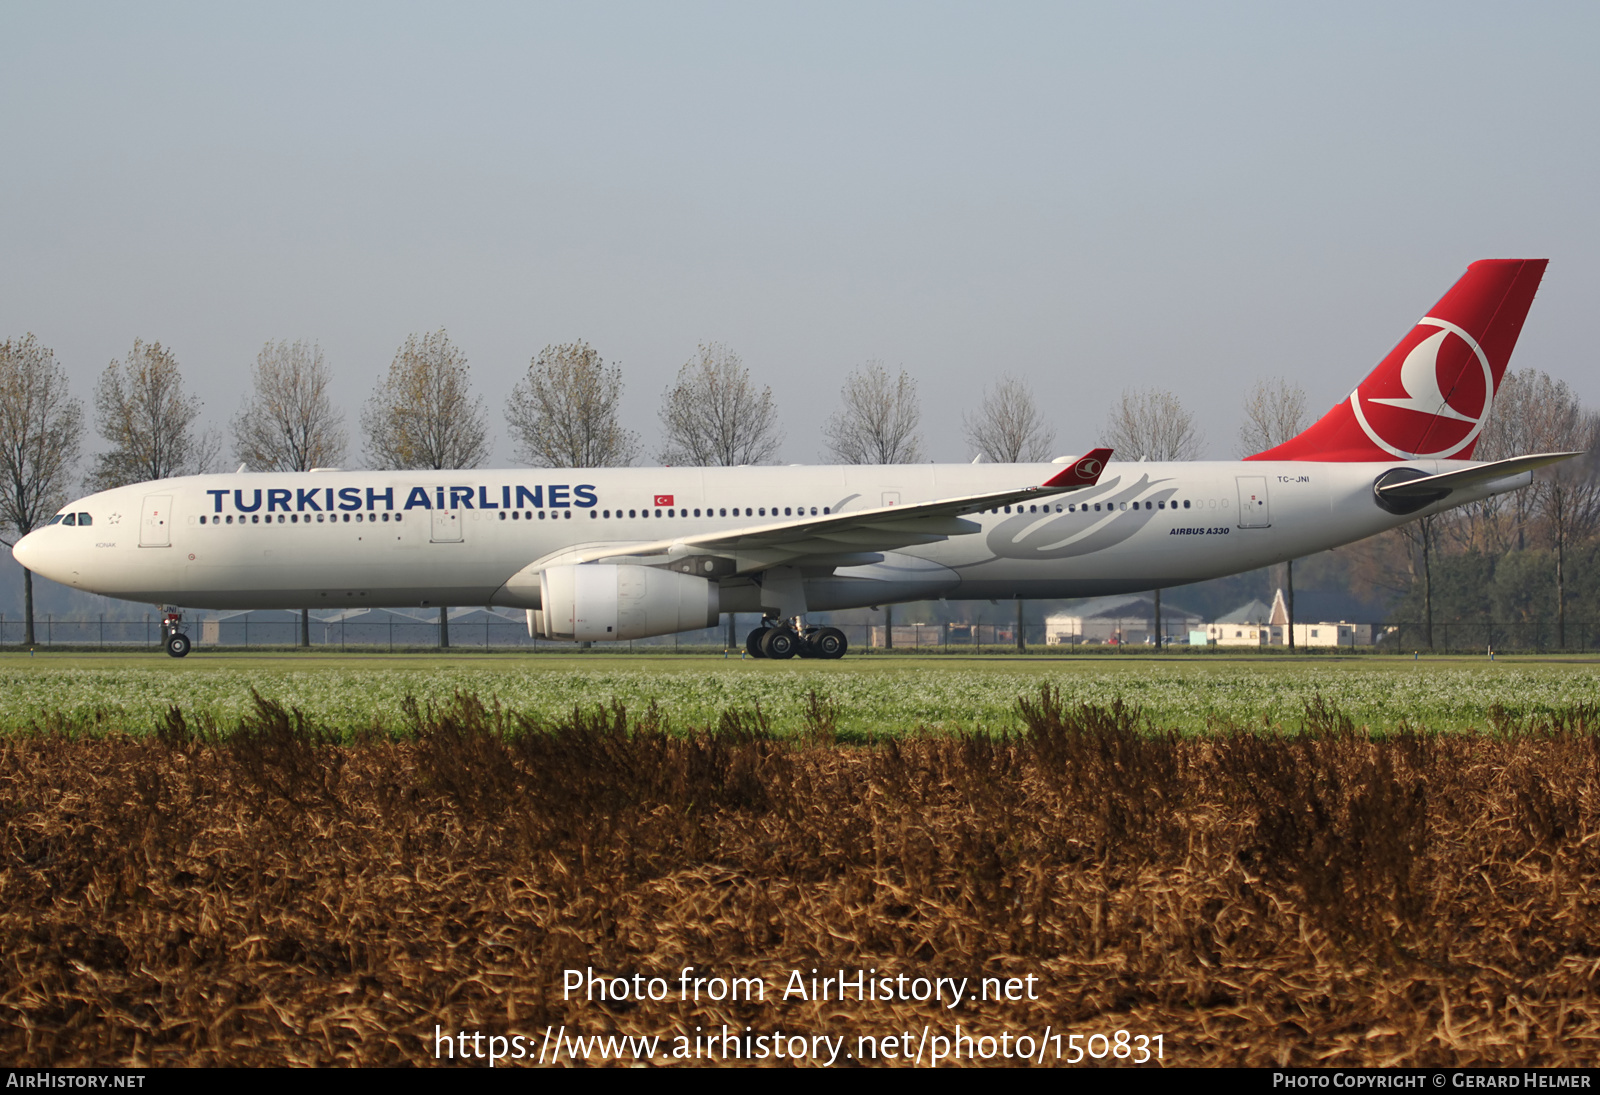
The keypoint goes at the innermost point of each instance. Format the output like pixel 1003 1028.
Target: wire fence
pixel 507 634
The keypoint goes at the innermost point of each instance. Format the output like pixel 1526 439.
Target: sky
pixel 1092 198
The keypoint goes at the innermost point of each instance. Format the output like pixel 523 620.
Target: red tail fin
pixel 1430 397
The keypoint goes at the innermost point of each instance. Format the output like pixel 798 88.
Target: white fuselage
pixel 409 538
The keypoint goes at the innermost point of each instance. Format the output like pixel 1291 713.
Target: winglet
pixel 1083 472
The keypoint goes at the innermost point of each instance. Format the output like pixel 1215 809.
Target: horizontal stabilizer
pixel 1468 477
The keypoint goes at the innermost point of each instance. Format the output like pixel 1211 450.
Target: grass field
pixel 874 696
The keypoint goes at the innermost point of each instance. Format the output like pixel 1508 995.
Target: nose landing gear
pixel 172 636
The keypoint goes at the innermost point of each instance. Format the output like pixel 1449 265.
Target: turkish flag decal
pixel 663 500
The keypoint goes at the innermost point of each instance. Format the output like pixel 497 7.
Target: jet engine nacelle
pixel 594 602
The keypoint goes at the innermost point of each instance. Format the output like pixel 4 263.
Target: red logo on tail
pixel 1409 413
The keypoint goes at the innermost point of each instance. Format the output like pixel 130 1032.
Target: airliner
pixel 601 554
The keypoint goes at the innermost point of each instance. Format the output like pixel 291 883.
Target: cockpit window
pixel 84 519
pixel 54 520
pixel 70 519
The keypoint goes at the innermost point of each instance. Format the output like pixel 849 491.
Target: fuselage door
pixel 1254 512
pixel 446 526
pixel 155 527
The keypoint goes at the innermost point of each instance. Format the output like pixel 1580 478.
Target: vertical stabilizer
pixel 1430 398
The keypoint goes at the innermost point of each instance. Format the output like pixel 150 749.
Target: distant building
pixel 1252 624
pixel 1333 634
pixel 1119 620
pixel 1257 624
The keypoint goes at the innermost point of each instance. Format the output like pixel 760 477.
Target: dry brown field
pixel 1324 897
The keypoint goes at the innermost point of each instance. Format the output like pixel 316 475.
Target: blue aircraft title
pixel 350 499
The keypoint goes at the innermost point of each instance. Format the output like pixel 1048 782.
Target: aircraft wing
pixel 853 537
pixel 1466 477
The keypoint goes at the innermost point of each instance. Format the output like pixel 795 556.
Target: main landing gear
pixel 784 640
pixel 172 636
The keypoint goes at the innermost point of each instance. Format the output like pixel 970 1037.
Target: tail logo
pixel 1422 421
pixel 1088 467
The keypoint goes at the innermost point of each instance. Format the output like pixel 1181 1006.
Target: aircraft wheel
pixel 752 642
pixel 829 643
pixel 780 642
pixel 177 644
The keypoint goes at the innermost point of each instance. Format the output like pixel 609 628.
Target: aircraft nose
pixel 26 553
pixel 30 553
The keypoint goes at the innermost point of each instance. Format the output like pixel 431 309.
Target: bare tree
pixel 1509 431
pixel 1567 495
pixel 1151 425
pixel 40 426
pixel 878 422
pixel 1007 427
pixel 1274 412
pixel 563 413
pixel 714 416
pixel 423 415
pixel 290 423
pixel 141 409
pixel 1422 538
